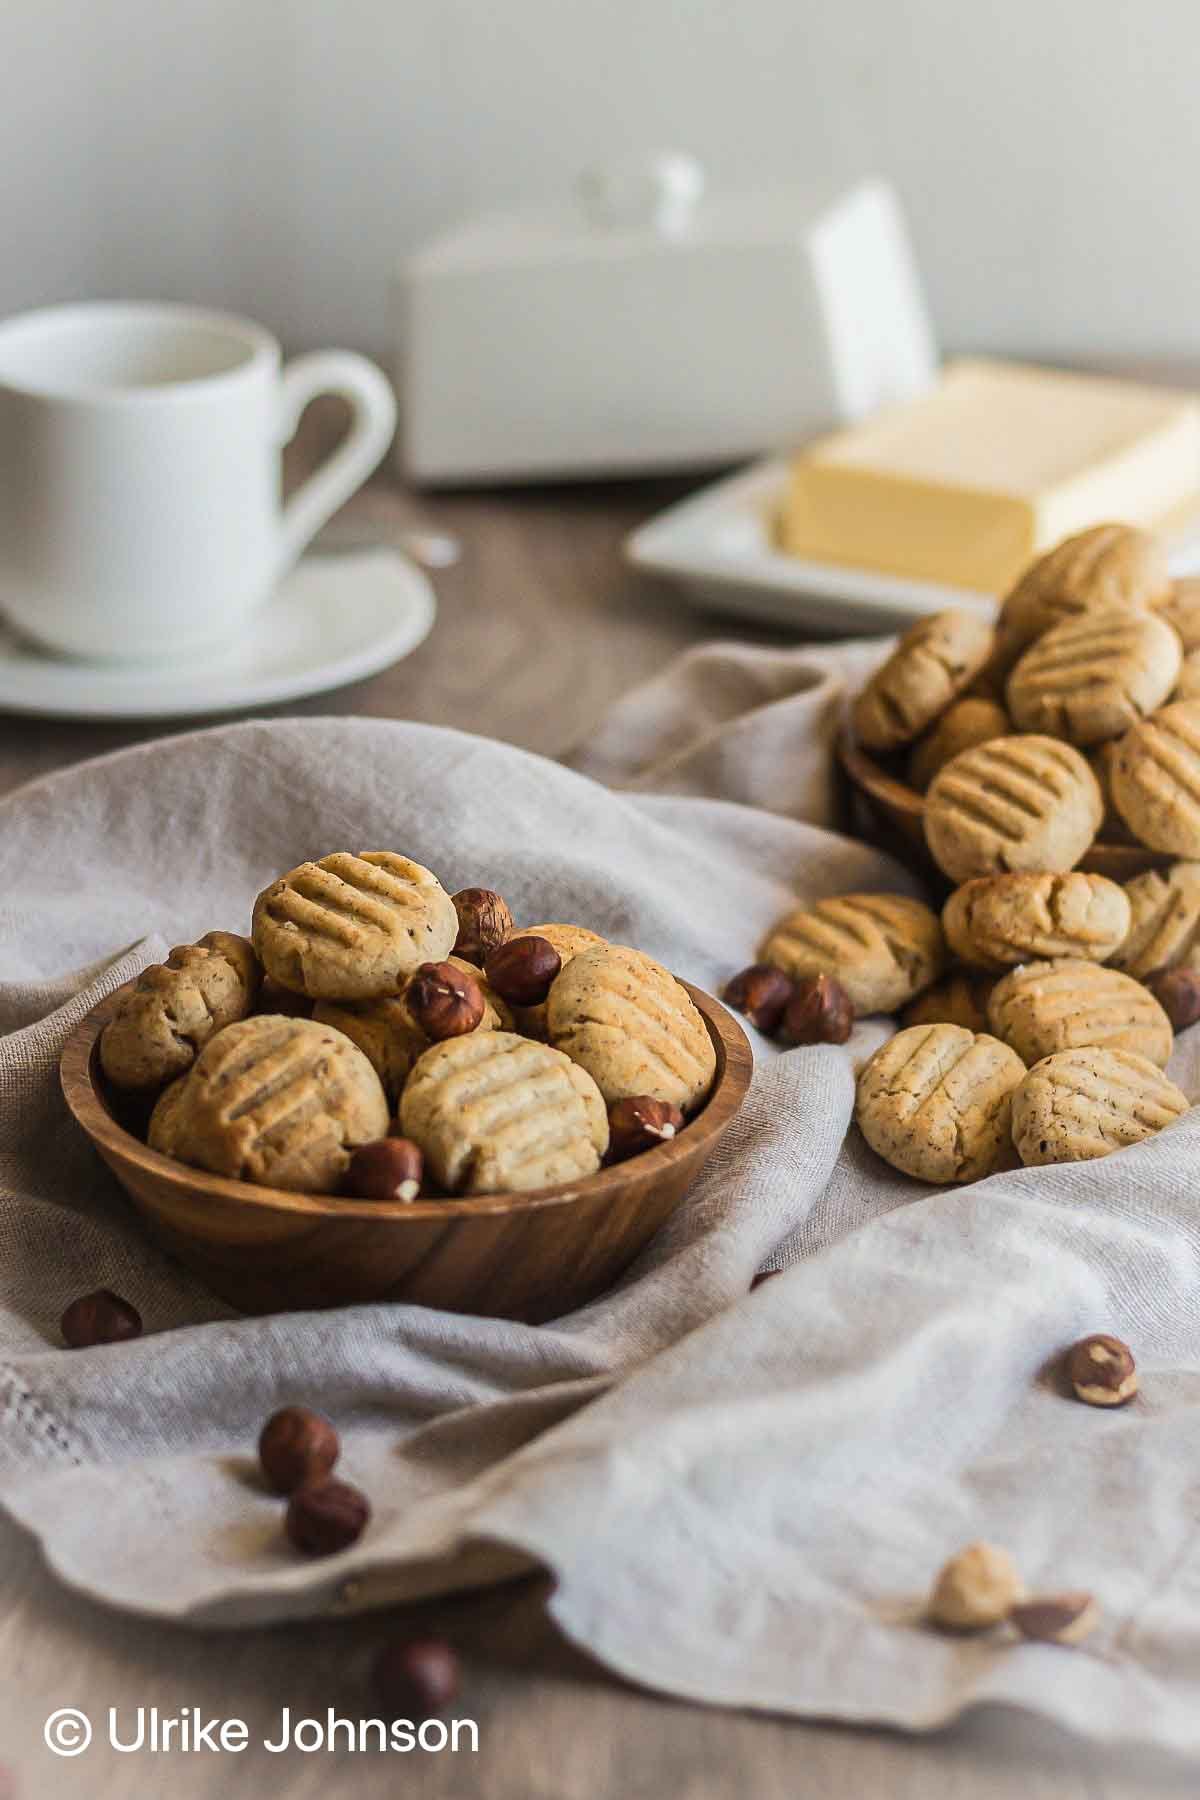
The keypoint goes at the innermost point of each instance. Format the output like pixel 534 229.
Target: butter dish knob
pixel 657 189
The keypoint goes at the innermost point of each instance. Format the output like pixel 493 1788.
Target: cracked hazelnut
pixel 1178 993
pixel 638 1123
pixel 976 1589
pixel 326 1517
pixel 484 922
pixel 297 1446
pixel 762 994
pixel 389 1168
pixel 415 1678
pixel 1056 1618
pixel 522 969
pixel 99 1318
pixel 1101 1370
pixel 819 1012
pixel 444 1001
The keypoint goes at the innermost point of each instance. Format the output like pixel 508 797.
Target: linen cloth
pixel 742 1496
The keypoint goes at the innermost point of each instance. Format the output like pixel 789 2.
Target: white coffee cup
pixel 140 511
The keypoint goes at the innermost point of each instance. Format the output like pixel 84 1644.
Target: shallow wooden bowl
pixel 514 1256
pixel 895 816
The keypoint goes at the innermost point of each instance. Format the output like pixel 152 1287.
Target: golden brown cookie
pixel 388 1035
pixel 495 1113
pixel 174 1008
pixel 280 1101
pixel 1164 928
pixel 1094 676
pixel 931 665
pixel 1110 565
pixel 632 1026
pixel 1187 687
pixel 972 720
pixel 883 948
pixel 568 940
pixel 1155 777
pixel 960 999
pixel 935 1100
pixel 1182 612
pixel 1016 803
pixel 997 921
pixel 162 1133
pixel 1044 1007
pixel 1080 1104
pixel 353 927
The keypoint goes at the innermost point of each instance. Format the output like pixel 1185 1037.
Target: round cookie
pixel 632 1026
pixel 1094 676
pixel 1155 776
pixel 1182 613
pixel 1044 1007
pixel 931 665
pixel 568 940
pixel 1187 687
pixel 934 1101
pixel 174 1008
pixel 1080 1104
pixel 280 1101
pixel 961 999
pixel 1164 929
pixel 883 948
pixel 496 1113
pixel 997 921
pixel 388 1035
pixel 353 927
pixel 1016 803
pixel 162 1133
pixel 972 720
pixel 1107 566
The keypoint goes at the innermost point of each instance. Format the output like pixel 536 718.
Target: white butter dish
pixel 654 328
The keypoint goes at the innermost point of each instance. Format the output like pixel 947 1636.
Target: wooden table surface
pixel 540 628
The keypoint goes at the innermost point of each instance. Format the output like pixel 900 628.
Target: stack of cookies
pixel 378 1036
pixel 1038 1011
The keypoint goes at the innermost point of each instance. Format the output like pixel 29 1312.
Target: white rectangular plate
pixel 719 545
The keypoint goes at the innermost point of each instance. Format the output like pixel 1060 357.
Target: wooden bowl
pixel 515 1256
pixel 895 815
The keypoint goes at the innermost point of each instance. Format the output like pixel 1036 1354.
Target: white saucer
pixel 334 619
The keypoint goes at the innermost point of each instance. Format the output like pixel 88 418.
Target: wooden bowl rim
pixel 78 1075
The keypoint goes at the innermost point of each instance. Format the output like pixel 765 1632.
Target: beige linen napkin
pixel 742 1496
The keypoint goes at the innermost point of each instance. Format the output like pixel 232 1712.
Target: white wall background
pixel 275 155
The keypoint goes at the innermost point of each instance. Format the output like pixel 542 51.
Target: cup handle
pixel 361 450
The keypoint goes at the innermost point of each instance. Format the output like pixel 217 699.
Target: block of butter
pixel 997 462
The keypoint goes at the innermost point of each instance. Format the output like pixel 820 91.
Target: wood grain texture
pixel 540 629
pixel 518 1256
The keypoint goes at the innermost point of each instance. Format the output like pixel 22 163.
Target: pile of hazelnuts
pixel 445 1001
pixel 816 1009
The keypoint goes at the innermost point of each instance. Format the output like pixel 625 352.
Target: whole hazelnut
pixel 522 969
pixel 1102 1371
pixel 445 1001
pixel 388 1168
pixel 638 1123
pixel 1056 1618
pixel 99 1318
pixel 415 1678
pixel 819 1012
pixel 297 1446
pixel 326 1517
pixel 762 994
pixel 976 1589
pixel 484 922
pixel 1178 993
